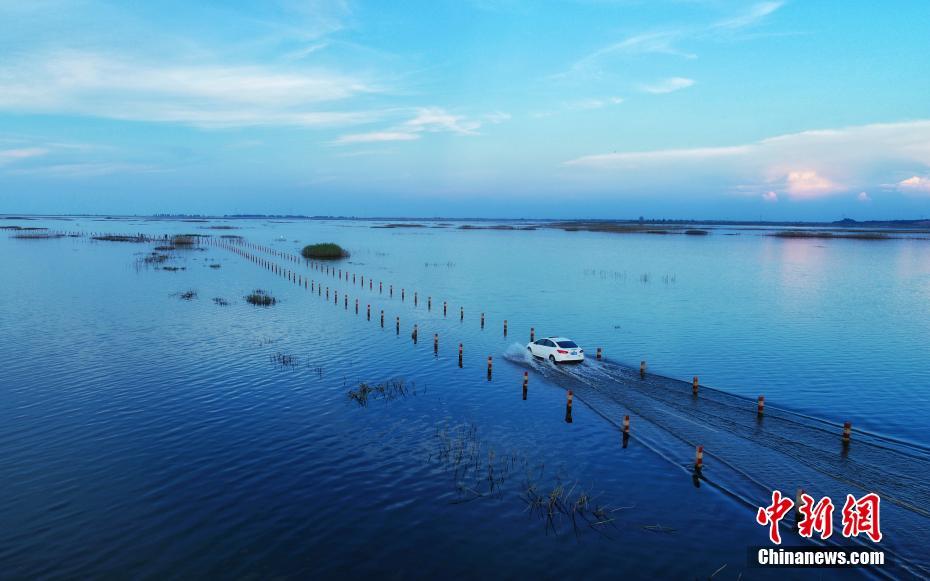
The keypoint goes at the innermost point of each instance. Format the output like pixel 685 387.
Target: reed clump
pixel 823 234
pixel 324 251
pixel 285 360
pixel 389 390
pixel 220 301
pixel 260 298
pixel 185 240
pixel 188 295
pixel 38 236
pixel 137 238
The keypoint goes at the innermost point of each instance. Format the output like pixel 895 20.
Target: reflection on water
pixel 143 434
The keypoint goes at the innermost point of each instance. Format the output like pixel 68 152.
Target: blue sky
pixel 584 108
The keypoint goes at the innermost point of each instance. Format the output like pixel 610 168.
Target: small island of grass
pixel 324 251
pixel 260 298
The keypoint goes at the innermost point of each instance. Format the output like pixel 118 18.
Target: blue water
pixel 143 434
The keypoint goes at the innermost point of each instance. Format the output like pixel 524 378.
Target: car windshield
pixel 568 344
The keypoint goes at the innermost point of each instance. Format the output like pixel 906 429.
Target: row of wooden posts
pixel 302 281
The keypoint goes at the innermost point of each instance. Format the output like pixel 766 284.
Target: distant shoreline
pixel 921 224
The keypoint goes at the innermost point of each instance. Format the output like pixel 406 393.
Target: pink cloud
pixel 915 184
pixel 809 184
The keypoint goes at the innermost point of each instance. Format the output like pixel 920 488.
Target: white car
pixel 556 350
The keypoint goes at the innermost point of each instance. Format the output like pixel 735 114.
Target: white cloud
pixel 753 16
pixel 770 197
pixel 667 85
pixel 87 169
pixel 497 117
pixel 436 119
pixel 667 42
pixel 864 197
pixel 377 136
pixel 915 184
pixel 206 95
pixel 802 165
pixel 424 120
pixel 587 104
pixel 13 155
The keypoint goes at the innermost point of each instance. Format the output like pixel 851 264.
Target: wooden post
pixel 461 313
pixel 382 315
pixel 429 303
pixel 415 302
pixel 368 314
pixel 694 385
pixel 847 431
pixel 435 342
pixel 403 294
pixel 391 289
pixel 482 320
pixel 460 355
pixel 532 334
pixel 642 369
pixel 443 308
pixel 380 287
pixel 526 383
pixel 760 410
pixel 699 459
pixel 414 335
pixel 490 365
pixel 568 408
pixel 598 353
pixel 505 327
pixel 626 425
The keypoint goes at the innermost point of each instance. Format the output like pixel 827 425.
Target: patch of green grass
pixel 324 251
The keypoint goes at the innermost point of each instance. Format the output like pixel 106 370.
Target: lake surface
pixel 147 435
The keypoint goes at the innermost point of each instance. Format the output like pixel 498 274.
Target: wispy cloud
pixel 669 85
pixel 587 104
pixel 425 120
pixel 376 136
pixel 13 155
pixel 754 15
pixel 670 41
pixel 87 169
pixel 205 95
pixel 802 165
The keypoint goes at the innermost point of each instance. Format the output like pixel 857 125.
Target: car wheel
pixel 552 359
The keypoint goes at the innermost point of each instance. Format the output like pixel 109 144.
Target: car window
pixel 549 343
pixel 568 344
